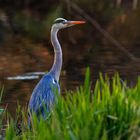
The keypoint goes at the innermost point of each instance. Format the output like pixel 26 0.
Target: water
pixel 23 64
pixel 18 89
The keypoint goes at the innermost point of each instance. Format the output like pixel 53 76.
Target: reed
pixel 110 112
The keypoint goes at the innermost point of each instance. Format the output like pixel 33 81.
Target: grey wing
pixel 43 96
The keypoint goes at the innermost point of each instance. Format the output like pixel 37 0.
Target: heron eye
pixel 64 22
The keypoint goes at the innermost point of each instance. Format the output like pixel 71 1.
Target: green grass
pixel 2 115
pixel 110 112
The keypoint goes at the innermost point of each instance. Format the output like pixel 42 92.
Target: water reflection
pixel 18 88
pixel 23 77
pixel 26 76
pixel 17 64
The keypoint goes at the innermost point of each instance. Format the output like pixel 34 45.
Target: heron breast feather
pixel 44 94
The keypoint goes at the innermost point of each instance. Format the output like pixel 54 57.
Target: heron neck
pixel 57 65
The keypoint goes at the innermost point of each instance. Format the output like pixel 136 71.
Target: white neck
pixel 57 65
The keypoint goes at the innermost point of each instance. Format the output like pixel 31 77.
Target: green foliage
pixel 10 134
pixel 111 111
pixel 34 27
pixel 2 112
pixel 53 14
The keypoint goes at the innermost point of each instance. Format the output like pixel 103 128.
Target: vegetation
pixel 110 112
pixel 25 39
pixel 2 114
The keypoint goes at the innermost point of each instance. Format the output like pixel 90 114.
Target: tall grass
pixel 2 114
pixel 110 112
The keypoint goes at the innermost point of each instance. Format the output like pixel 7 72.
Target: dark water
pixel 23 86
pixel 18 89
pixel 22 57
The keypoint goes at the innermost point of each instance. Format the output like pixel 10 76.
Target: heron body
pixel 44 94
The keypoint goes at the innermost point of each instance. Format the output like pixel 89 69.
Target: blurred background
pixel 109 42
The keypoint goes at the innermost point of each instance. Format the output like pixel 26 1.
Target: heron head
pixel 61 23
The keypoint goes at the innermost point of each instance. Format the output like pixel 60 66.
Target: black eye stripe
pixel 59 21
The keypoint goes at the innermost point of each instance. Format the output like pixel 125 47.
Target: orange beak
pixel 71 23
pixel 76 22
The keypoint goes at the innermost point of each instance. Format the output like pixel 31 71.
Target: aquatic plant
pixel 110 111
